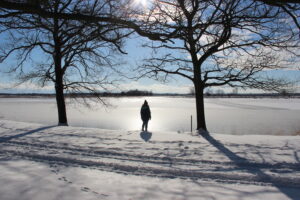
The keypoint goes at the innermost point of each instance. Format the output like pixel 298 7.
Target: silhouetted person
pixel 145 115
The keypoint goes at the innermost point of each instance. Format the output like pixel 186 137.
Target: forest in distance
pixel 135 93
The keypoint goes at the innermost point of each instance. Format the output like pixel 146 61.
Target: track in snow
pixel 109 159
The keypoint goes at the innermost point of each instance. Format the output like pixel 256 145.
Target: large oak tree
pixel 76 55
pixel 220 42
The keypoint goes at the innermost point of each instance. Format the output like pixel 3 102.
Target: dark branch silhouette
pixel 126 19
pixel 220 43
pixel 78 56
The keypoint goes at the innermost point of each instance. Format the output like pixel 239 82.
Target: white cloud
pixel 25 87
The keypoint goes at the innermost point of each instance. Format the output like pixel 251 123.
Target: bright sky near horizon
pixel 134 57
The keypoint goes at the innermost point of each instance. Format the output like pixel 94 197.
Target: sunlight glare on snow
pixel 239 116
pixel 135 124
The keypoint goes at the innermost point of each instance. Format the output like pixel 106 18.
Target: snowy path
pixel 236 160
pixel 230 172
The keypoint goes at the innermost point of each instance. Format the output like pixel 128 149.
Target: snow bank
pixel 50 162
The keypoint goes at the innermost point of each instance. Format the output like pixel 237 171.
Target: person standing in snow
pixel 145 115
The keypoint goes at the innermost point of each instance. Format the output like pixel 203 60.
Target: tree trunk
pixel 59 87
pixel 59 91
pixel 60 101
pixel 201 124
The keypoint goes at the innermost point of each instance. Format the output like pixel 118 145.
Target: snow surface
pixel 238 116
pixel 50 162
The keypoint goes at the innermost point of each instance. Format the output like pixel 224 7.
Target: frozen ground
pixel 49 162
pixel 237 116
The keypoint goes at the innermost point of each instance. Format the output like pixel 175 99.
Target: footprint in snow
pixel 55 168
pixel 65 180
pixel 54 171
pixel 85 189
pixel 62 179
pixel 53 152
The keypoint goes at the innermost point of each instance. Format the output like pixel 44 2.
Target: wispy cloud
pixel 25 87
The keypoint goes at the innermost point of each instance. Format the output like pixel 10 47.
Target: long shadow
pixel 146 136
pixel 242 163
pixel 5 139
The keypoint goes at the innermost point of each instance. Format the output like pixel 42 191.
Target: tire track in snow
pixel 166 167
pixel 107 153
pixel 163 173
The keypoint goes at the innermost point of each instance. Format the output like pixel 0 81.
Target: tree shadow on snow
pixel 7 138
pixel 245 164
pixel 146 136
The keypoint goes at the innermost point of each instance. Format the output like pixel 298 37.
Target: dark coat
pixel 145 112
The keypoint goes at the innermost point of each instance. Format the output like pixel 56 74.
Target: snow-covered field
pixel 50 162
pixel 227 116
pixel 39 160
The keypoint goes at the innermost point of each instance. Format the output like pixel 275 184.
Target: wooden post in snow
pixel 191 123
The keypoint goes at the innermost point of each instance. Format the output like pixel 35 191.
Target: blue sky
pixel 135 55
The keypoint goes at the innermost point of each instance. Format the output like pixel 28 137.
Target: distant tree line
pixel 82 94
pixel 146 93
pixel 137 93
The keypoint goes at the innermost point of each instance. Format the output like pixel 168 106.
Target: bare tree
pixel 207 31
pixel 78 54
pixel 218 43
pixel 291 7
pixel 123 16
